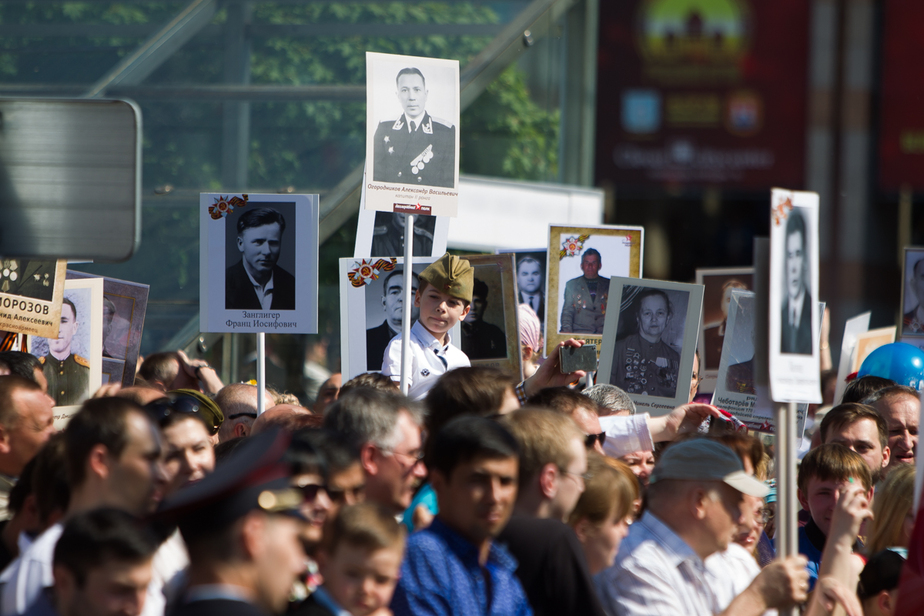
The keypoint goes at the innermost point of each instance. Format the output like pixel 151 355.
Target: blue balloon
pixel 901 362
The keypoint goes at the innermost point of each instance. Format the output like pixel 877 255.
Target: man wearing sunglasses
pixel 580 408
pixel 553 466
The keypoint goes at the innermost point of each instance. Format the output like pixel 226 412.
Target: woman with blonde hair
pixel 605 510
pixel 893 518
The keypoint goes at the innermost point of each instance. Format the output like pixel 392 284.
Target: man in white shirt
pixel 113 455
pixel 695 505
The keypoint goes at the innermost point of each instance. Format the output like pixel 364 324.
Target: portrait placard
pixel 490 334
pixel 649 341
pixel 530 271
pixel 258 263
pixel 412 134
pixel 735 390
pixel 913 292
pixel 72 361
pixel 869 341
pixel 718 284
pixel 381 234
pixel 581 261
pixel 30 296
pixel 124 307
pixel 371 310
pixel 853 328
pixel 794 323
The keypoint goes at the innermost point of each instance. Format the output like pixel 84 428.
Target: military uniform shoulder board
pixel 380 230
pixel 445 123
pixel 42 359
pixel 83 361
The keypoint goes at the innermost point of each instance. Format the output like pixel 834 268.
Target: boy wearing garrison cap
pixel 444 298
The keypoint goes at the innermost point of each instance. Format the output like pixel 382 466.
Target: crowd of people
pixel 487 495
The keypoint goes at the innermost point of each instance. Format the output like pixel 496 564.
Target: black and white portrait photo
pixel 718 283
pixel 793 317
pixel 385 312
pixel 416 147
pixel 481 336
pixel 531 281
pixel 796 314
pixel 913 293
pixel 258 263
pixel 388 235
pixel 255 278
pixel 646 359
pixel 412 131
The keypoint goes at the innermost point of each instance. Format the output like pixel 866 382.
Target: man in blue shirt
pixel 453 567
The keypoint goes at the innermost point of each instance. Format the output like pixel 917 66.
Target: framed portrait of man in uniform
pixel 258 263
pixel 381 234
pixel 72 361
pixel 580 263
pixel 412 134
pixel 649 341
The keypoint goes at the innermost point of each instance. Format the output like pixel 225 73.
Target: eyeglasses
pixel 591 439
pixel 767 514
pixel 585 477
pixel 416 457
pixel 158 410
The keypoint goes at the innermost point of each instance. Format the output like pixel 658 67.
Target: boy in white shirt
pixel 444 298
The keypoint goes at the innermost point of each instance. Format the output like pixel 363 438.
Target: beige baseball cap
pixel 702 459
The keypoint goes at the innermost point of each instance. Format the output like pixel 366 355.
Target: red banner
pixel 901 129
pixel 702 92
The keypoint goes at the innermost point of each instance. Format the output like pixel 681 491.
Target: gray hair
pixel 888 392
pixel 366 415
pixel 610 397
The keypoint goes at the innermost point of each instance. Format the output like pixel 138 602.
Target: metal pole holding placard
pixel 261 373
pixel 786 510
pixel 408 301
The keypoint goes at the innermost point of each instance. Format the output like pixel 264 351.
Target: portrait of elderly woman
pixel 644 362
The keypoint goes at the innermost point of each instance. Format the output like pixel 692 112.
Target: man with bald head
pixel 285 417
pixel 238 402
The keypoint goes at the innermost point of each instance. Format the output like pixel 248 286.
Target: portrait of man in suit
pixel 584 308
pixel 796 316
pixel 256 282
pixel 378 337
pixel 529 286
pixel 417 148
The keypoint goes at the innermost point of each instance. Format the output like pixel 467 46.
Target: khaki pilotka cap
pixel 451 275
pixel 702 459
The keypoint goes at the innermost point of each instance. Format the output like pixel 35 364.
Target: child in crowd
pixel 444 298
pixel 824 474
pixel 360 558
